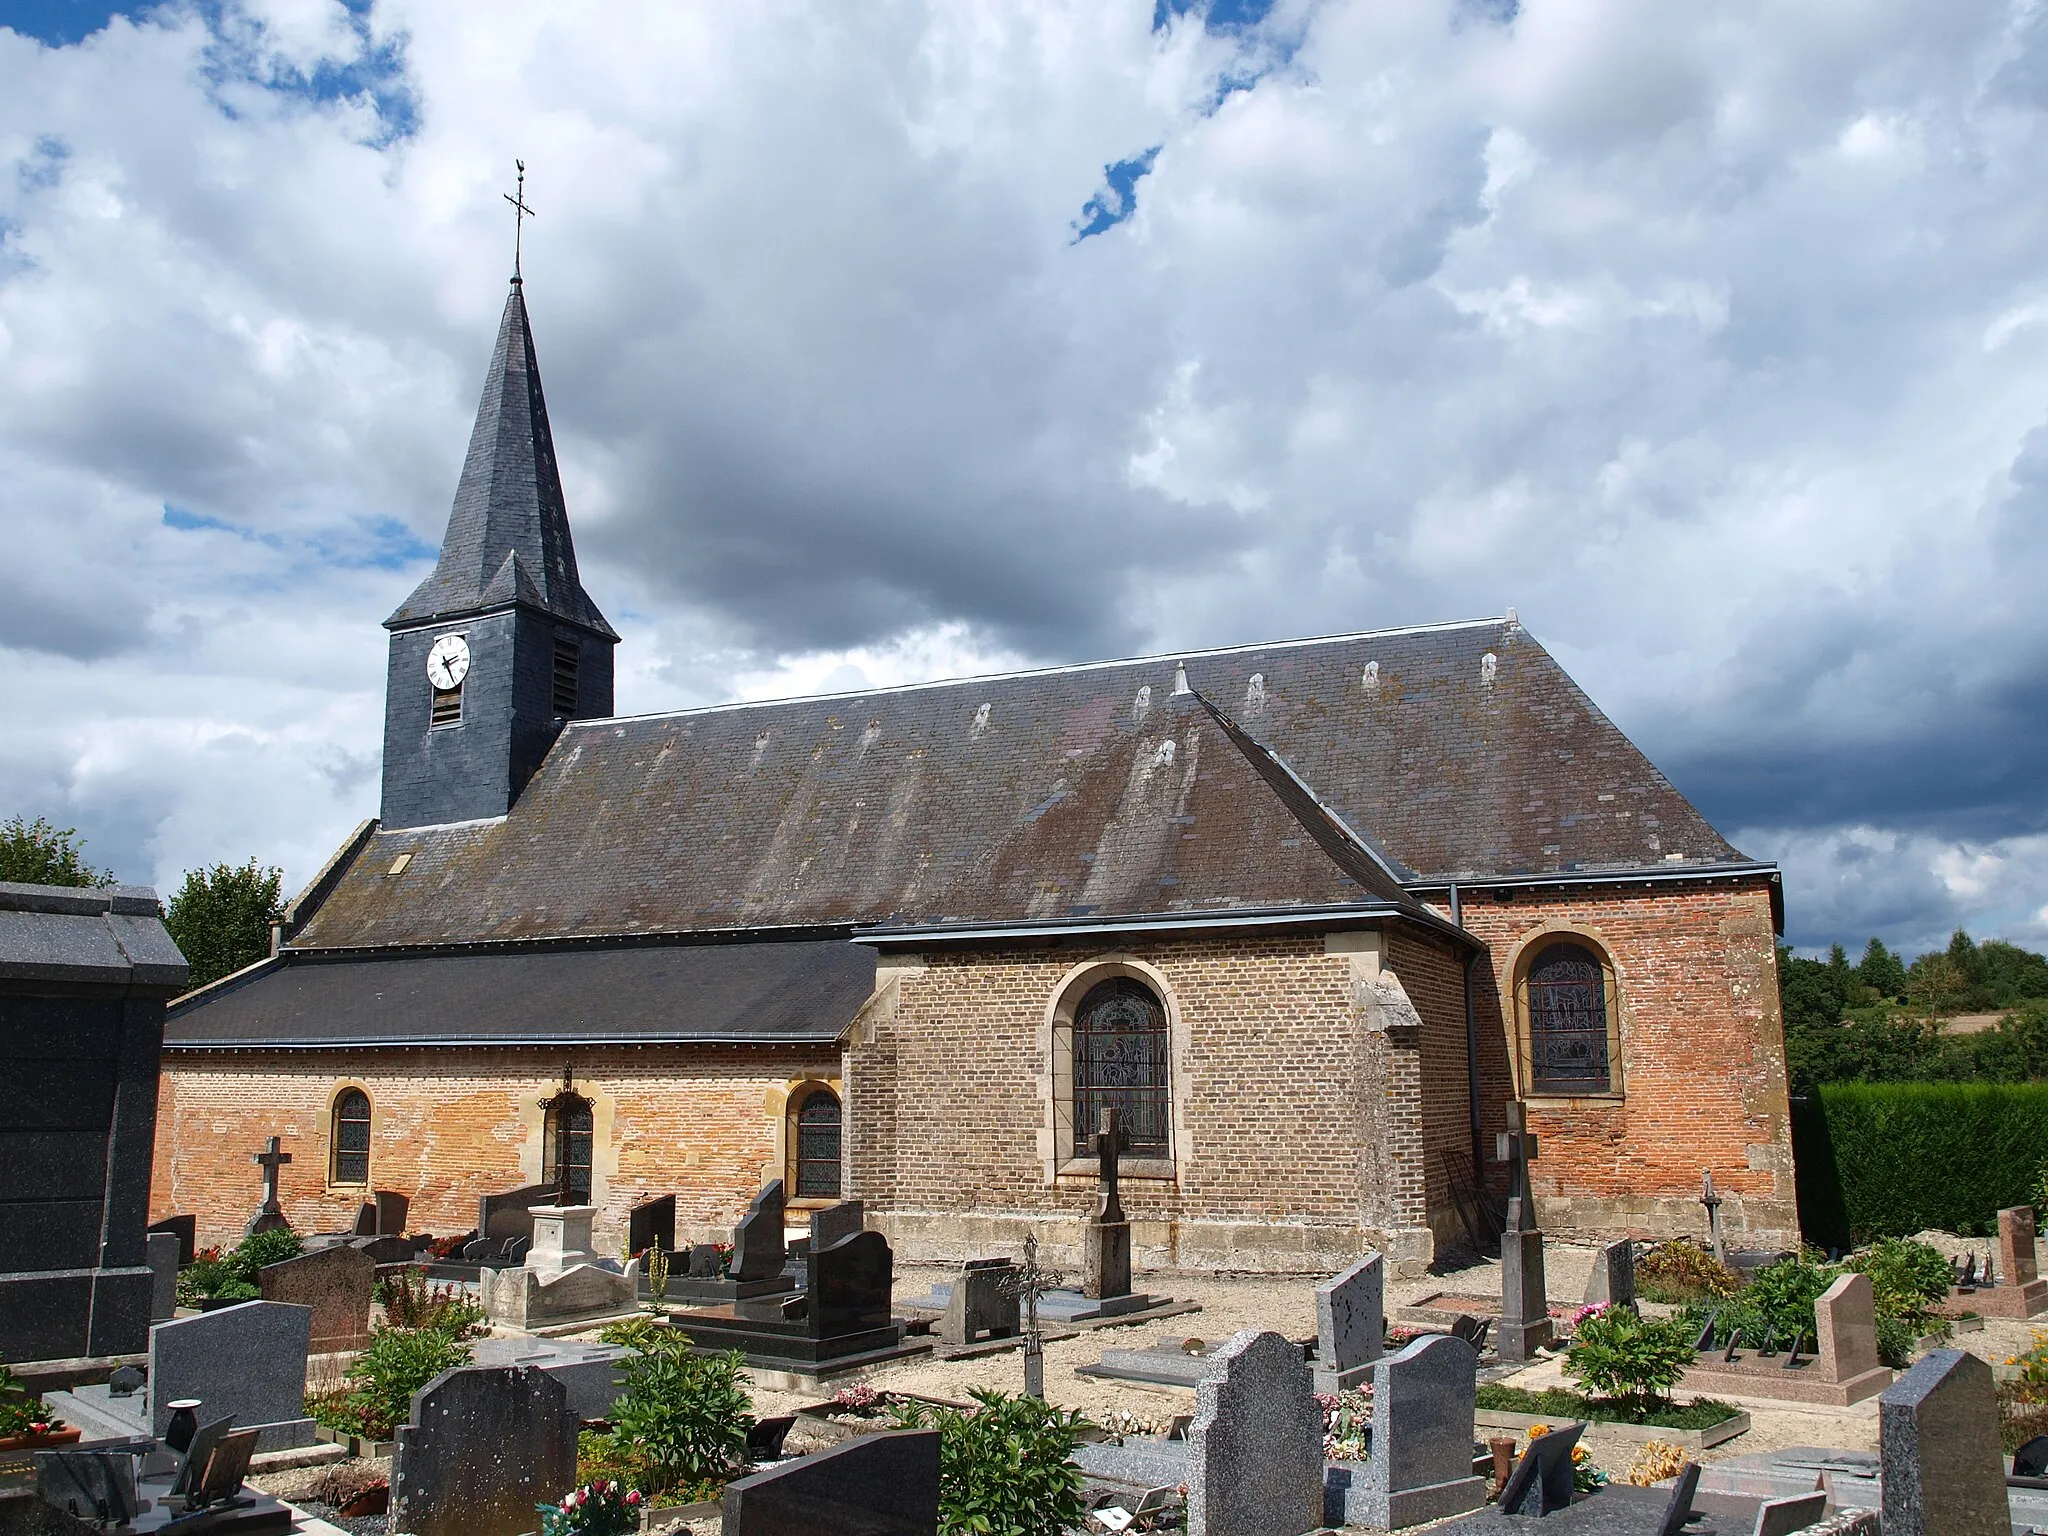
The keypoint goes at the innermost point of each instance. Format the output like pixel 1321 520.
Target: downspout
pixel 1471 1059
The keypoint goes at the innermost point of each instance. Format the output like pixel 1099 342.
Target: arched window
pixel 1569 1016
pixel 351 1137
pixel 816 1127
pixel 565 1145
pixel 1121 1049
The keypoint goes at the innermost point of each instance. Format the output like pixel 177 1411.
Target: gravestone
pixel 1524 1302
pixel 835 1222
pixel 877 1485
pixel 1255 1448
pixel 2020 1291
pixel 851 1285
pixel 186 1230
pixel 1541 1483
pixel 162 1249
pixel 247 1360
pixel 985 1300
pixel 336 1284
pixel 509 1215
pixel 1845 1328
pixel 366 1220
pixel 483 1446
pixel 269 1215
pixel 1843 1369
pixel 392 1209
pixel 1938 1443
pixel 652 1223
pixel 1421 1465
pixel 84 975
pixel 1106 1236
pixel 759 1247
pixel 1613 1280
pixel 561 1239
pixel 1351 1325
pixel 591 1372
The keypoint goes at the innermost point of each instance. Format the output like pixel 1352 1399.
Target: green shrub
pixel 1778 1303
pixel 683 1414
pixel 231 1276
pixel 1562 1403
pixel 1890 1159
pixel 397 1364
pixel 1907 1278
pixel 1003 1467
pixel 1679 1271
pixel 1621 1354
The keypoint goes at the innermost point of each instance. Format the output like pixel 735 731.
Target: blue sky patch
pixel 1217 16
pixel 1118 199
pixel 58 23
pixel 186 522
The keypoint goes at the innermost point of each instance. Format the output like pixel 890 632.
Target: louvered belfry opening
pixel 568 653
pixel 447 706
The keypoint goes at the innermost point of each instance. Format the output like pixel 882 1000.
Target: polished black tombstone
pixel 759 1253
pixel 844 1313
pixel 651 1223
pixel 84 976
pixel 186 1230
pixel 876 1485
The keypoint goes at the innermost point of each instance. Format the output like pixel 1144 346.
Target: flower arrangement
pixel 21 1411
pixel 1657 1460
pixel 607 1508
pixel 1347 1417
pixel 857 1400
pixel 1586 1476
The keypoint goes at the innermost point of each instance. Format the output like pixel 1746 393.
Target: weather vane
pixel 520 214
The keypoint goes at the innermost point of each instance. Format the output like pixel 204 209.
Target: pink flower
pixel 633 1497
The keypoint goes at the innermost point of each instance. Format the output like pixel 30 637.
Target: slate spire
pixel 508 536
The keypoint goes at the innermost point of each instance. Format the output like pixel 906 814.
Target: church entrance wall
pixel 706 1124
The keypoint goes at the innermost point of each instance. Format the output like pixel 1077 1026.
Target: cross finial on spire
pixel 520 214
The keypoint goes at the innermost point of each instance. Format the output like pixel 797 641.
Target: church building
pixel 1307 914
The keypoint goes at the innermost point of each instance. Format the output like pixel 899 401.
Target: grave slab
pixel 588 1371
pixel 1844 1370
pixel 1351 1325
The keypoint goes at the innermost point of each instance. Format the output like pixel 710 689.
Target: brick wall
pixel 447 1126
pixel 1703 1061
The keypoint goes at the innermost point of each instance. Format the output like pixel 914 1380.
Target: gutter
pixel 419 1042
pixel 880 937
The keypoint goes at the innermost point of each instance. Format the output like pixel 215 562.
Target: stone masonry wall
pixel 704 1124
pixel 1703 1062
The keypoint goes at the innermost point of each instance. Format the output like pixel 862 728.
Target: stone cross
pixel 1109 1142
pixel 1712 1202
pixel 1517 1148
pixel 269 1214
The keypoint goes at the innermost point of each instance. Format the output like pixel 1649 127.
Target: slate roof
pixel 99 936
pixel 508 535
pixel 1404 757
pixel 638 994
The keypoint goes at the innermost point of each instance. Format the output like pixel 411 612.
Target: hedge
pixel 1891 1159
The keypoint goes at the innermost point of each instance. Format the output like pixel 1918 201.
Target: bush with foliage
pixel 1907 1280
pixel 36 853
pixel 1003 1467
pixel 1633 1359
pixel 1680 1271
pixel 682 1415
pixel 2031 1384
pixel 1777 1304
pixel 22 1411
pixel 384 1377
pixel 411 1301
pixel 1563 1403
pixel 221 917
pixel 216 1276
pixel 598 1508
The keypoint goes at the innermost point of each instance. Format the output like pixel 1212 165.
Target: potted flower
pixel 25 1424
pixel 600 1508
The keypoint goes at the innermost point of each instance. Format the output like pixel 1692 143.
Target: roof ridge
pixel 1048 671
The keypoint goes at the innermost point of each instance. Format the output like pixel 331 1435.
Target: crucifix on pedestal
pixel 1110 1142
pixel 1106 1235
pixel 1524 1301
pixel 269 1215
pixel 1712 1202
pixel 1516 1147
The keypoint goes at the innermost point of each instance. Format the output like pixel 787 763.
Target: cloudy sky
pixel 897 340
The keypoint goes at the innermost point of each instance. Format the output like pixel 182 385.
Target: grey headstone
pixel 1783 1517
pixel 336 1283
pixel 1541 1483
pixel 1938 1443
pixel 835 1222
pixel 1255 1449
pixel 366 1220
pixel 163 1275
pixel 186 1230
pixel 1351 1325
pixel 758 1242
pixel 877 1485
pixel 484 1445
pixel 249 1361
pixel 392 1209
pixel 984 1300
pixel 1614 1275
pixel 1421 1466
pixel 1524 1303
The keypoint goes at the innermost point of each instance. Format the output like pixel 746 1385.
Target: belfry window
pixel 1120 1050
pixel 447 706
pixel 351 1137
pixel 1566 998
pixel 817 1126
pixel 565 1146
pixel 568 653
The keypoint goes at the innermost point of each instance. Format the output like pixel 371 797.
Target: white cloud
pixel 1709 338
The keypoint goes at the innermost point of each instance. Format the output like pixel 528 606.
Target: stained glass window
pixel 568 1131
pixel 1120 1060
pixel 352 1137
pixel 817 1146
pixel 1568 1022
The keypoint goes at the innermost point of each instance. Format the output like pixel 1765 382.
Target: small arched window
pixel 352 1137
pixel 818 1126
pixel 565 1144
pixel 1121 1050
pixel 1569 1018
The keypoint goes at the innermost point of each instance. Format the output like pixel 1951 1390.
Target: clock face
pixel 448 662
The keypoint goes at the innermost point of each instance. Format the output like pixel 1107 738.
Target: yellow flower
pixel 1536 1431
pixel 1578 1454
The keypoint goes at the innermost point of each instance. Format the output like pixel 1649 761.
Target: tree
pixel 1882 971
pixel 221 917
pixel 36 853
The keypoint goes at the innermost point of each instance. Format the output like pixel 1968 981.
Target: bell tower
pixel 501 644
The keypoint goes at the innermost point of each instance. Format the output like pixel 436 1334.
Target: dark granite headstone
pixel 392 1209
pixel 986 1299
pixel 162 1248
pixel 186 1230
pixel 484 1445
pixel 652 1222
pixel 850 1285
pixel 2031 1459
pixel 366 1220
pixel 84 975
pixel 1542 1480
pixel 877 1485
pixel 510 1214
pixel 835 1222
pixel 704 1262
pixel 1938 1445
pixel 759 1242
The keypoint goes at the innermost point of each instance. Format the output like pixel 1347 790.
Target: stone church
pixel 1308 914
